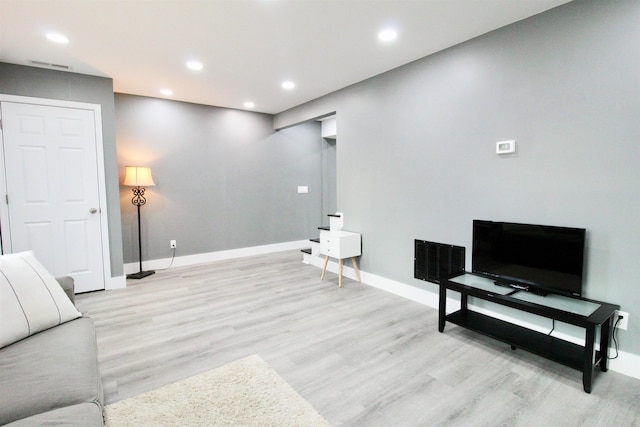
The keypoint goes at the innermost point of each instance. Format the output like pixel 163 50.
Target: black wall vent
pixel 434 262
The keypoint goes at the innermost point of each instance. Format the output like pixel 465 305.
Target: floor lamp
pixel 138 178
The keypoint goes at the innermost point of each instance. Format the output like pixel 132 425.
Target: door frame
pixel 102 187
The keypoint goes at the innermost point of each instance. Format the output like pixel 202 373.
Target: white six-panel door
pixel 52 184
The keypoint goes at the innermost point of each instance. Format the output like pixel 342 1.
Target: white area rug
pixel 247 392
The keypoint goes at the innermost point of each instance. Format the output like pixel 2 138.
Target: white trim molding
pixel 181 261
pixel 626 363
pixel 119 282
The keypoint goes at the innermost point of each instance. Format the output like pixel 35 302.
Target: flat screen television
pixel 537 258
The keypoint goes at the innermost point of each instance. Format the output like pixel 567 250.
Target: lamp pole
pixel 139 200
pixel 137 177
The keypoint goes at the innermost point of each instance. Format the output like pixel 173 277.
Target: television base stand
pixel 519 287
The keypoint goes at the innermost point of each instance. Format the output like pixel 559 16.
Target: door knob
pixel 93 210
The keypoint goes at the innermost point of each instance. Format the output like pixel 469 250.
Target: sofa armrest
pixel 66 283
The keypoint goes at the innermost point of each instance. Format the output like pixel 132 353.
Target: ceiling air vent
pixel 50 65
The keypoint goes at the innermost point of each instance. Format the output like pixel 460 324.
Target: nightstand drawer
pixel 340 244
pixel 329 245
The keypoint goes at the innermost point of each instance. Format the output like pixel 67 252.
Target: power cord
pixel 615 329
pixel 615 341
pixel 171 263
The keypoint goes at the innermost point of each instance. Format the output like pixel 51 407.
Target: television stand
pixel 582 312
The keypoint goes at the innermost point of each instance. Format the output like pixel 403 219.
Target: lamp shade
pixel 137 176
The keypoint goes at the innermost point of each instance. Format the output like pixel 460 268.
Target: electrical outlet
pixel 172 244
pixel 624 322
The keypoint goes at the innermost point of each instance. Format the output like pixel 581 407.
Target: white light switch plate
pixel 303 189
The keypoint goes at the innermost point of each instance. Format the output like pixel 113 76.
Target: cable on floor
pixel 171 263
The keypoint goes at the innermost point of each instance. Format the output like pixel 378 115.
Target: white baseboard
pixel 626 363
pixel 116 283
pixel 181 261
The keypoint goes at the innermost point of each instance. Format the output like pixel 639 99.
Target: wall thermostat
pixel 505 147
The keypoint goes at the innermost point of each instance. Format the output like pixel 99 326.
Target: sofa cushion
pixel 50 370
pixel 82 415
pixel 31 300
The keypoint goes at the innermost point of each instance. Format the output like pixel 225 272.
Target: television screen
pixel 538 258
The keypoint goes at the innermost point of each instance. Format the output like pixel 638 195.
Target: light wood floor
pixel 360 356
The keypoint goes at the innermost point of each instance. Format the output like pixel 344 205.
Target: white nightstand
pixel 340 245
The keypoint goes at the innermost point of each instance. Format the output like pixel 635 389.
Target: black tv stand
pixel 582 312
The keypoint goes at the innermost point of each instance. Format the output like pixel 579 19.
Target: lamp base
pixel 140 275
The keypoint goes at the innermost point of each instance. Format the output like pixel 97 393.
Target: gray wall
pixel 224 178
pixel 416 152
pixel 50 84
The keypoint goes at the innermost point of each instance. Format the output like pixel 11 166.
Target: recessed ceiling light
pixel 195 65
pixel 249 104
pixel 387 35
pixel 58 38
pixel 166 92
pixel 288 85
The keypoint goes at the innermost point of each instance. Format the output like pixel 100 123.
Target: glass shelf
pixel 481 283
pixel 558 302
pixel 571 305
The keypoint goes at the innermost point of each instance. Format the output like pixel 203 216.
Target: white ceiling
pixel 247 47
